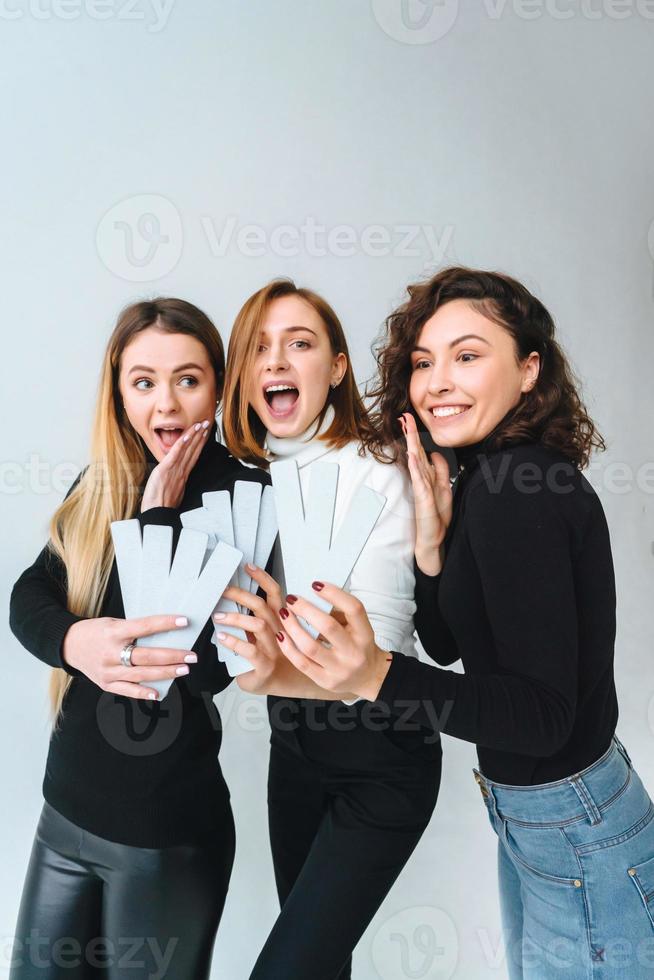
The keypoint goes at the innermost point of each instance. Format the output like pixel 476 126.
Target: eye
pixel 473 356
pixel 137 384
pixel 420 364
pixel 189 377
pixel 305 342
pixel 260 348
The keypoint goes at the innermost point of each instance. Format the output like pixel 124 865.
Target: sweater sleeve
pixel 38 613
pixel 522 550
pixel 433 631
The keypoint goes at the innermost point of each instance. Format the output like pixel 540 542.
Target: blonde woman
pixel 136 837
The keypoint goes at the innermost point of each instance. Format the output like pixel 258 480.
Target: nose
pixel 167 401
pixel 276 358
pixel 439 381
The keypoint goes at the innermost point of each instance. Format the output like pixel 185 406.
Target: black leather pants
pixel 95 908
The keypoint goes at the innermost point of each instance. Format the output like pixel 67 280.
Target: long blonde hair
pixel 110 488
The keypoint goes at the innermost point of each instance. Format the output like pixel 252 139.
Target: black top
pixel 143 773
pixel 526 599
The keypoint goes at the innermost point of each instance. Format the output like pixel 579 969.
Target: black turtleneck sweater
pixel 526 599
pixel 143 773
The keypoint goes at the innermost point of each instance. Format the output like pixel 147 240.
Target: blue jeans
pixel 576 873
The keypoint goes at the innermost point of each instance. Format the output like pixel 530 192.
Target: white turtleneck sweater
pixel 382 578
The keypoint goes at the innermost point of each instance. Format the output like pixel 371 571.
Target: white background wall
pixel 511 134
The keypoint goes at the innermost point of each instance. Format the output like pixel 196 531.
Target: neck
pixel 279 447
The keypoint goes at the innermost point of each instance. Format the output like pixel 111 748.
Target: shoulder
pixel 387 478
pixel 533 481
pixel 375 471
pixel 529 468
pixel 233 469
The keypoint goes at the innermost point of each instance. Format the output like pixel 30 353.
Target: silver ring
pixel 126 655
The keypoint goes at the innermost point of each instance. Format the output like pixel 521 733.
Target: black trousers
pixel 91 907
pixel 346 810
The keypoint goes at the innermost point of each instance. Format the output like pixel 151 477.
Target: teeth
pixel 281 388
pixel 449 410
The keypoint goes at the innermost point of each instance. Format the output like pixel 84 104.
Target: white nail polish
pixel 221 636
pixel 191 658
pixel 205 424
pixel 181 621
pixel 197 426
pixel 182 670
pixel 219 615
pixel 152 696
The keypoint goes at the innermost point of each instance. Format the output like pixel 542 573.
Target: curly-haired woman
pixel 514 576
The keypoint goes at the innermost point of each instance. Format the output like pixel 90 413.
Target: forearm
pixel 503 712
pixel 38 614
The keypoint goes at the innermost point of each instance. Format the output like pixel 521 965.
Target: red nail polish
pixel 283 613
pixel 318 586
pixel 280 636
pixel 291 599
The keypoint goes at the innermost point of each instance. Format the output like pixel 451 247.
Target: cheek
pixel 417 384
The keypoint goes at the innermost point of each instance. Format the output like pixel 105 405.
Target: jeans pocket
pixel 642 876
pixel 544 851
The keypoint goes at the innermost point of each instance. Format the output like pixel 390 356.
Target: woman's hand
pixel 167 481
pixel 260 649
pixel 93 646
pixel 348 660
pixel 432 494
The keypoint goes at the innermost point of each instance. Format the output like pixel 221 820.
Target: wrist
pixel 370 685
pixel 429 562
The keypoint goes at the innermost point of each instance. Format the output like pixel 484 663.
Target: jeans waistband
pixel 580 796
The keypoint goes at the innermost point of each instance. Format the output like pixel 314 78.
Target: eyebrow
pixel 182 367
pixel 294 330
pixel 466 336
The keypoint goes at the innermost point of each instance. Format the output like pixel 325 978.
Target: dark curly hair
pixel 551 413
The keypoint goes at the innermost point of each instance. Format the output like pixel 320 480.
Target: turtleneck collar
pixel 304 448
pixel 468 457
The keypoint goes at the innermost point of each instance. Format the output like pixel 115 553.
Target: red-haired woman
pixel 349 795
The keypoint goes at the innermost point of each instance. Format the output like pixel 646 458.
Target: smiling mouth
pixel 449 411
pixel 168 436
pixel 281 400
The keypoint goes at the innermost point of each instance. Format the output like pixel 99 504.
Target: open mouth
pixel 281 400
pixel 168 435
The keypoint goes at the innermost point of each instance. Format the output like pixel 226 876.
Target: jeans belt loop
pixel 481 782
pixel 587 801
pixel 623 752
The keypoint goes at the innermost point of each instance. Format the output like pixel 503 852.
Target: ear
pixel 530 371
pixel 339 369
